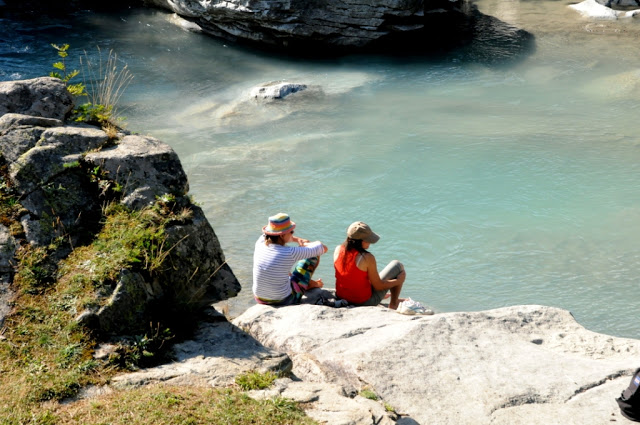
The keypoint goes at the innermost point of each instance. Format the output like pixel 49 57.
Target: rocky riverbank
pixel 515 365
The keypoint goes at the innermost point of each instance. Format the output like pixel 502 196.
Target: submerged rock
pixel 276 90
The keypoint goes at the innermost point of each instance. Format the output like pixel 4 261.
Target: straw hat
pixel 279 224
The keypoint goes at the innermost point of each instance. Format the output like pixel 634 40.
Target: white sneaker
pixel 411 307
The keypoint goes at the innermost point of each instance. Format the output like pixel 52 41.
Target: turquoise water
pixel 495 182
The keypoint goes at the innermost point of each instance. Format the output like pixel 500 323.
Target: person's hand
pixel 315 283
pixel 301 242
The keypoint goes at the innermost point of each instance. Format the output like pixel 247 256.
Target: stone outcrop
pixel 62 174
pixel 515 365
pixel 221 351
pixel 328 23
pixel 607 10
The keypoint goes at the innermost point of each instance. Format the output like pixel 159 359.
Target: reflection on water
pixel 504 171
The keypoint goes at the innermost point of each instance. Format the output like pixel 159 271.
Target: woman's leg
pixel 391 271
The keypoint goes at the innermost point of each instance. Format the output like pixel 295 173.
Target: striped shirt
pixel 272 264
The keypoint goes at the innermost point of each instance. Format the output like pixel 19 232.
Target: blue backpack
pixel 629 400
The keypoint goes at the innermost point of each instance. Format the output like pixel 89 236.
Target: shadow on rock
pixel 218 352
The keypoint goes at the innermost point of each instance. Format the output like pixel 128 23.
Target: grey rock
pixel 19 133
pixel 328 403
pixel 63 206
pixel 7 252
pixel 55 148
pixel 604 10
pixel 41 97
pixel 145 168
pixel 203 274
pixel 283 23
pixel 522 364
pixel 221 351
pixel 184 23
pixel 7 249
pixel 126 307
pixel 8 121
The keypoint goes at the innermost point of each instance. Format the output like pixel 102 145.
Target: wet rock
pixel 276 90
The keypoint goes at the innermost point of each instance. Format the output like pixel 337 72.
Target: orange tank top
pixel 352 284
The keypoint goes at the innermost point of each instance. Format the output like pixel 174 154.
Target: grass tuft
pixel 253 380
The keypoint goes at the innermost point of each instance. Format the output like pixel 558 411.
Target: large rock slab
pixel 286 23
pixel 514 365
pixel 220 351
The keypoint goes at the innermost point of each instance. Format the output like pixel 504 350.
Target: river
pixel 499 173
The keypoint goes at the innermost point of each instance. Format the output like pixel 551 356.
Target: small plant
pixel 107 81
pixel 62 73
pixel 74 164
pixel 367 393
pixel 253 380
pixel 143 350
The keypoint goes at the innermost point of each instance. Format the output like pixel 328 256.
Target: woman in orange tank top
pixel 357 277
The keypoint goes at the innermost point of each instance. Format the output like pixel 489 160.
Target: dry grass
pixel 171 405
pixel 106 80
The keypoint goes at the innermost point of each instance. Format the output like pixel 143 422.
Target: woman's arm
pixel 299 241
pixel 374 277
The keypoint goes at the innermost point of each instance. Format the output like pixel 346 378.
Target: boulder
pixel 63 175
pixel 41 97
pixel 603 10
pixel 513 365
pixel 328 23
pixel 145 167
pixel 19 133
